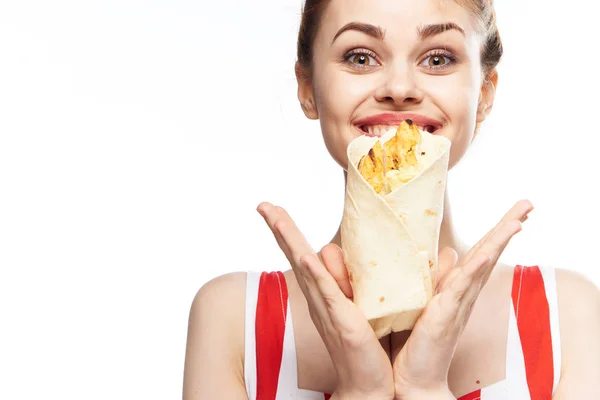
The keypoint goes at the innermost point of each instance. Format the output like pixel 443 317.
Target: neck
pixel 448 235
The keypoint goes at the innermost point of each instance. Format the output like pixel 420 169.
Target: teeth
pixel 381 130
pixel 391 128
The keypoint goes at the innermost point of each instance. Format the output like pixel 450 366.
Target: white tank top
pixel 533 355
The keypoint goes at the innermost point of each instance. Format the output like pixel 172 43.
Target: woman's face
pixel 378 62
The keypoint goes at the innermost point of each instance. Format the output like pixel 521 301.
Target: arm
pixel 579 311
pixel 214 367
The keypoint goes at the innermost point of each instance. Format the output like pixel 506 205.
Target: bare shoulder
pixel 578 303
pixel 232 284
pixel 579 316
pixel 221 300
pixel 214 364
pixel 568 280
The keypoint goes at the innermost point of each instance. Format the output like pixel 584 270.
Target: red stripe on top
pixel 271 314
pixel 476 395
pixel 533 320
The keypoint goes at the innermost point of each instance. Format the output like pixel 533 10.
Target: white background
pixel 137 138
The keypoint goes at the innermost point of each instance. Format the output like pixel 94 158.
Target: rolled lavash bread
pixel 390 240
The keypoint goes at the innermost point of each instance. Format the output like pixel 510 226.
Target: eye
pixel 361 58
pixel 438 60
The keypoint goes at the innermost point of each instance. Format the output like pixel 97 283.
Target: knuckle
pixel 280 211
pixel 280 225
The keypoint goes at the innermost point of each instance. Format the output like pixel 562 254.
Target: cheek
pixel 337 96
pixel 458 99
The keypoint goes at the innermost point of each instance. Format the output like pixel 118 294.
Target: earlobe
pixel 305 93
pixel 309 109
pixel 486 99
pixel 308 106
pixel 482 111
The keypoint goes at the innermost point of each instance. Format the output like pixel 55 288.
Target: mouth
pixel 380 130
pixel 378 125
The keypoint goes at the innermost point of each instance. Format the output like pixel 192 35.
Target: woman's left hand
pixel 421 365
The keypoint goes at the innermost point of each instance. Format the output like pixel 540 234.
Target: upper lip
pixel 396 119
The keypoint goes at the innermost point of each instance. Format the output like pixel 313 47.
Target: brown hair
pixel 483 9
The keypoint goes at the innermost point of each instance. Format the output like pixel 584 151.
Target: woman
pixel 532 334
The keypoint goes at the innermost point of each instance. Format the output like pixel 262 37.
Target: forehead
pixel 396 17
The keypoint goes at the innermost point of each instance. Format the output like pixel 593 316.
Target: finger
pixel 328 289
pixel 446 314
pixel 299 249
pixel 333 259
pixel 496 245
pixel 459 293
pixel 279 221
pixel 470 274
pixel 490 251
pixel 447 259
pixel 338 317
pixel 492 248
pixel 328 306
pixel 518 212
pixel 291 235
pixel 271 215
pixel 497 242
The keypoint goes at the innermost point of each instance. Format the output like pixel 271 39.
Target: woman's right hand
pixel 363 367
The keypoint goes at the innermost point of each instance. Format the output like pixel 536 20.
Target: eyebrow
pixel 435 29
pixel 423 32
pixel 369 29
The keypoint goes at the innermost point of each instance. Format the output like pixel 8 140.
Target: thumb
pixel 447 259
pixel 333 259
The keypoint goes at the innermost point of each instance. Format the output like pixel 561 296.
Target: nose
pixel 399 87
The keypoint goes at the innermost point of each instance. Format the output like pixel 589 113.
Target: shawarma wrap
pixel 391 223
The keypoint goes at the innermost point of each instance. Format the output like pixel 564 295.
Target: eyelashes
pixel 363 59
pixel 439 55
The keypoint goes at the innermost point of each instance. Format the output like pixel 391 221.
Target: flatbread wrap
pixel 391 223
